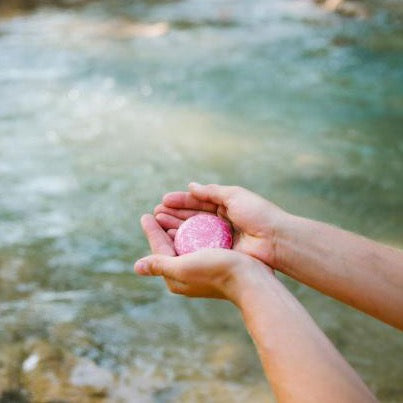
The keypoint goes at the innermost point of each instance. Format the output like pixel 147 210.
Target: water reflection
pixel 99 122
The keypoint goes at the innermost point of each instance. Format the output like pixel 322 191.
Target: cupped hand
pixel 255 220
pixel 207 273
pixel 160 242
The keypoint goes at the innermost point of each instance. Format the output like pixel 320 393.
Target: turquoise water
pixel 102 112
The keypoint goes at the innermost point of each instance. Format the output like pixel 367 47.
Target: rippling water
pixel 106 107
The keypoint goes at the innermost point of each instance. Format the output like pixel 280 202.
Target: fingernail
pixel 142 268
pixel 195 184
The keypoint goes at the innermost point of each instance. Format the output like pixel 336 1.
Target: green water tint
pixel 96 123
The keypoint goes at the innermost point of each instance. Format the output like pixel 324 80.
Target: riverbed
pixel 106 107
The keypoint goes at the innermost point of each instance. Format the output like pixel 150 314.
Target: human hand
pixel 255 220
pixel 160 242
pixel 213 273
pixel 207 273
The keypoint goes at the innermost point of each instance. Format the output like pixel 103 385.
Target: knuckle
pixel 174 287
pixel 175 291
pixel 212 187
pixel 236 189
pixel 156 265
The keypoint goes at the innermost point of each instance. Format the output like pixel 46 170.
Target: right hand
pixel 255 220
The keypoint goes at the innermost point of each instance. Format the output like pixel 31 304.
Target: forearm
pixel 348 267
pixel 299 361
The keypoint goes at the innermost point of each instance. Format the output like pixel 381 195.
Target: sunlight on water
pixel 107 107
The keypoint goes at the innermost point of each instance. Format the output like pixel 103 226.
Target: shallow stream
pixel 105 108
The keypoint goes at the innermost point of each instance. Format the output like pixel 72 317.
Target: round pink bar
pixel 203 231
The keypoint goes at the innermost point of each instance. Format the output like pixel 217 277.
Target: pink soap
pixel 203 231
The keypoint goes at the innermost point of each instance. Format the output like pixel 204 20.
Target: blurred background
pixel 107 105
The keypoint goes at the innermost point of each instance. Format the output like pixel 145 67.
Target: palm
pixel 247 212
pixel 161 240
pixel 252 246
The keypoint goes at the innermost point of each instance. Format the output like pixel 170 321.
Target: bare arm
pixel 360 272
pixel 355 270
pixel 299 361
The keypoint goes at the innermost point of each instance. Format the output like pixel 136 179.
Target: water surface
pixel 106 107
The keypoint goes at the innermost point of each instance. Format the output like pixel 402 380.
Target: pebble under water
pixel 106 107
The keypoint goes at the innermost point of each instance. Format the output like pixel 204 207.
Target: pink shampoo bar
pixel 203 231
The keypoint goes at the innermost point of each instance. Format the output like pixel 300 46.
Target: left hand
pixel 208 273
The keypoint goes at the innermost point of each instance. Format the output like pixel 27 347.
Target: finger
pixel 183 214
pixel 160 265
pixel 160 242
pixel 212 193
pixel 204 259
pixel 167 221
pixel 222 212
pixel 157 266
pixel 186 268
pixel 172 233
pixel 184 200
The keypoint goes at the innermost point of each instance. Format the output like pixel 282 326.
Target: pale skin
pixel 299 361
pixel 357 271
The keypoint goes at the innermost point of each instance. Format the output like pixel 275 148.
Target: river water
pixel 105 108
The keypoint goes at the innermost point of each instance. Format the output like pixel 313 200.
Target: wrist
pixel 282 239
pixel 250 283
pixel 266 304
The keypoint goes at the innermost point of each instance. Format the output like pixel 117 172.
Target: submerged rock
pixel 223 392
pixel 41 372
pixel 346 7
pixel 11 358
pixel 14 396
pixel 31 4
pixel 88 375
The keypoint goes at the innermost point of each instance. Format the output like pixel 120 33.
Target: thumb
pixel 156 265
pixel 212 193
